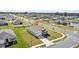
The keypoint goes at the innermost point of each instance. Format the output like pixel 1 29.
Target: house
pixel 3 23
pixel 2 18
pixel 37 19
pixel 38 32
pixel 7 37
pixel 16 22
pixel 61 22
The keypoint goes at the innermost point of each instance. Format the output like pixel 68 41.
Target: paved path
pixel 46 42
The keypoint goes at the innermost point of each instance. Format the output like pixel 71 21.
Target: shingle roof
pixel 35 29
pixel 6 32
pixel 1 16
pixel 3 22
pixel 16 21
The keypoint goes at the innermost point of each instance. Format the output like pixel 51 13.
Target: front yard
pixel 54 35
pixel 24 39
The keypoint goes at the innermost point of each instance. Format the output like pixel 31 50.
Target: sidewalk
pixel 46 42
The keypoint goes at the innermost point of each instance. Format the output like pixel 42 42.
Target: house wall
pixel 17 22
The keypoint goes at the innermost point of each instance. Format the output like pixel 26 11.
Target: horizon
pixel 46 6
pixel 42 11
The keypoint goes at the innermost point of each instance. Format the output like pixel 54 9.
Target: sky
pixel 39 5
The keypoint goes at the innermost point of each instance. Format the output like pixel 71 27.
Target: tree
pixel 57 13
pixel 65 14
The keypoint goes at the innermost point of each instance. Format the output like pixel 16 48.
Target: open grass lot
pixel 68 28
pixel 29 39
pixel 74 20
pixel 62 26
pixel 53 35
pixel 3 27
pixel 24 39
pixel 20 41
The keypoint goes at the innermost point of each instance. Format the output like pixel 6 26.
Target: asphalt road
pixel 72 39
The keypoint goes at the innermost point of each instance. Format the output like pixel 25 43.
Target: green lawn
pixel 68 28
pixel 20 41
pixel 63 27
pixel 3 27
pixel 30 39
pixel 24 39
pixel 74 20
pixel 54 35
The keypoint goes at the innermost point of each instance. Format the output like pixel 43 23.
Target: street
pixel 72 39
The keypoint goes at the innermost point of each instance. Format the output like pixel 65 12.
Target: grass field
pixel 63 27
pixel 24 39
pixel 68 28
pixel 20 41
pixel 3 27
pixel 74 20
pixel 54 35
pixel 29 39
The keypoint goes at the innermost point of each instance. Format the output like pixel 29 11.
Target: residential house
pixel 3 23
pixel 38 32
pixel 7 37
pixel 63 22
pixel 2 18
pixel 16 22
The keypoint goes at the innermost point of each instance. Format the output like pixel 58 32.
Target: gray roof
pixel 35 30
pixel 3 22
pixel 7 32
pixel 16 22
